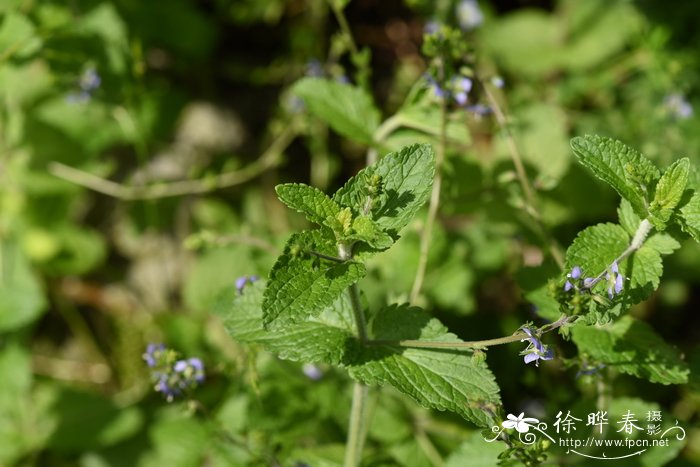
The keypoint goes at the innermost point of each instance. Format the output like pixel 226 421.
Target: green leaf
pixel 475 452
pixel 302 284
pixel 310 201
pixel 628 219
pixel 623 168
pixel 365 230
pixel 18 36
pixel 594 250
pixel 21 297
pixel 323 339
pixel 443 380
pixel 669 191
pixel 690 216
pixel 347 109
pixel 406 178
pixel 100 422
pixel 632 347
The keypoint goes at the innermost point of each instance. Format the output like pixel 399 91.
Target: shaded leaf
pixel 617 164
pixel 632 346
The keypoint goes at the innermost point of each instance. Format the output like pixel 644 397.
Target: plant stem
pixel 354 292
pixel 555 249
pixel 427 234
pixel 269 159
pixel 471 344
pixel 356 427
pixel 345 253
pixel 637 241
pixel 344 26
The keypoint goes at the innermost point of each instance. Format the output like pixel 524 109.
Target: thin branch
pixel 519 336
pixel 427 234
pixel 356 426
pixel 269 159
pixel 530 199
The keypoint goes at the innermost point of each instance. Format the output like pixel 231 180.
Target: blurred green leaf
pixel 476 452
pixel 526 42
pixel 177 441
pixel 18 36
pixel 347 109
pixel 632 347
pixel 21 296
pixel 88 421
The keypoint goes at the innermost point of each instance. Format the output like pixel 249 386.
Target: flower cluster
pixel 614 279
pixel 171 375
pixel 535 350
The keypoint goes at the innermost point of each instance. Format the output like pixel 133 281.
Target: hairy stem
pixel 637 241
pixel 356 427
pixel 345 253
pixel 427 234
pixel 519 336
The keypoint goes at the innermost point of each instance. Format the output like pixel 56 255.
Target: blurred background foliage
pixel 140 143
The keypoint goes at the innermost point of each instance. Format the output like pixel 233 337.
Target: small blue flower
pixel 469 15
pixel 312 371
pixel 497 81
pixel 536 351
pixel 153 354
pixel 192 369
pixel 243 280
pixel 431 27
pixel 678 106
pixel 437 90
pixel 575 274
pixel 615 280
pixel 464 85
pixel 87 84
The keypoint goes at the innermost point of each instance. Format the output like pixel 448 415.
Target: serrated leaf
pixel 441 380
pixel 406 181
pixel 669 192
pixel 365 230
pixel 321 340
pixel 690 216
pixel 596 247
pixel 347 109
pixel 628 219
pixel 310 201
pixel 617 164
pixel 632 347
pixel 301 284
